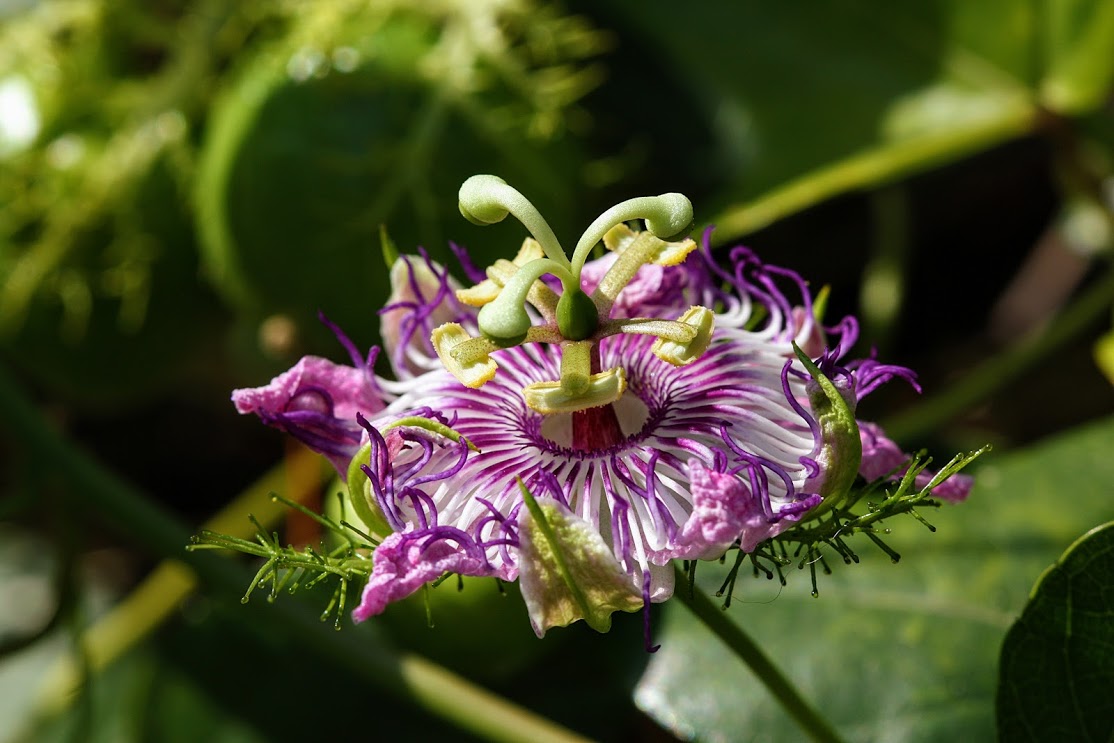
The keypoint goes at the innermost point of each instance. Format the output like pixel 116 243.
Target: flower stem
pixel 744 647
pixel 399 674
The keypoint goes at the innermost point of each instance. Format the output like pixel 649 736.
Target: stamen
pixel 620 237
pixel 473 350
pixel 486 290
pixel 487 199
pixel 471 374
pixel 668 216
pixel 677 332
pixel 683 353
pixel 634 249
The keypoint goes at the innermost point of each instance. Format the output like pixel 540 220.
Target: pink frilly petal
pixel 316 401
pixel 405 561
pixel 724 509
pixel 953 490
pixel 882 457
pixel 352 390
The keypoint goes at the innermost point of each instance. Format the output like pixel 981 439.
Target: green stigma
pixel 573 319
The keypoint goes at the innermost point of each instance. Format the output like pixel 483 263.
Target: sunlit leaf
pixel 904 652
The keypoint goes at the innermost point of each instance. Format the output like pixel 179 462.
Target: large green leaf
pixel 341 128
pixel 902 652
pixel 813 99
pixel 1057 666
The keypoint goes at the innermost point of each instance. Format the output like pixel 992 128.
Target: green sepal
pixel 387 245
pixel 841 450
pixel 360 496
pixel 567 572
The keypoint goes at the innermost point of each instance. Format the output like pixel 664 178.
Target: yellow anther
pixel 620 237
pixel 700 319
pixel 476 369
pixel 499 274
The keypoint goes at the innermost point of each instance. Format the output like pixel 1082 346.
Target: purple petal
pixel 882 457
pixel 316 401
pixel 407 561
pixel 724 509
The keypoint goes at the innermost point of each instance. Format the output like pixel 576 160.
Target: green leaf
pixel 810 100
pixel 904 652
pixel 306 159
pixel 1079 37
pixel 1058 659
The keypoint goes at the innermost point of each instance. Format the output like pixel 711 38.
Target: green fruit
pixel 476 630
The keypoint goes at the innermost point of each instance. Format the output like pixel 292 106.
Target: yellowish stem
pixel 154 600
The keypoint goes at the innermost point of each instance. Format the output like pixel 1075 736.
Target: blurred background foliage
pixel 184 184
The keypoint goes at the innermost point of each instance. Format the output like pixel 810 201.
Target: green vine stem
pixel 401 675
pixel 1018 116
pixel 732 635
pixel 157 597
